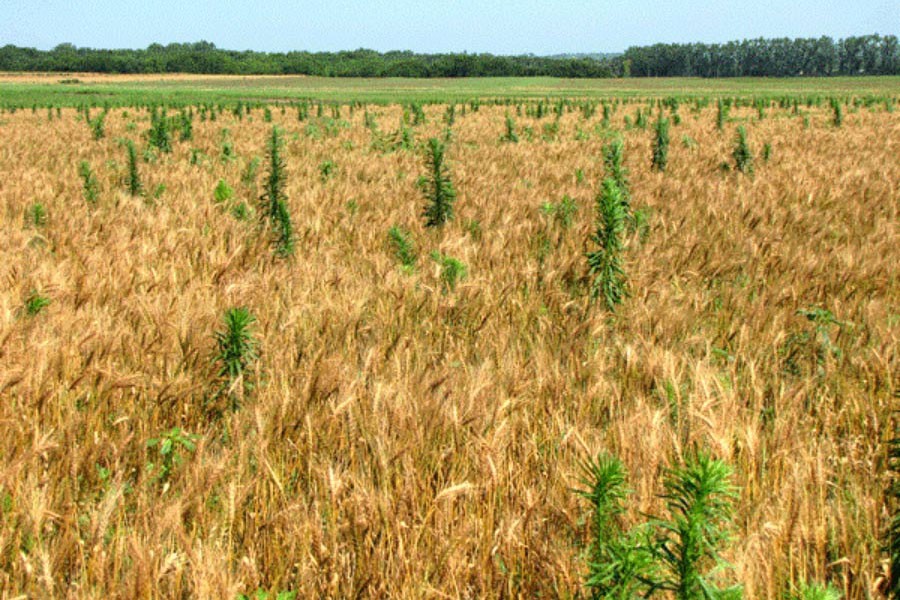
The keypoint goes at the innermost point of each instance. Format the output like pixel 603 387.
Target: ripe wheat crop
pixel 396 435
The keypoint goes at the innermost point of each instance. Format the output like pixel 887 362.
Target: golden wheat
pixel 406 442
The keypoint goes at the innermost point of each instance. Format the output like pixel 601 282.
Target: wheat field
pixel 401 439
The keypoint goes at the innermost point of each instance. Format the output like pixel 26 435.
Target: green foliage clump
pixel 743 157
pixel 404 248
pixel 326 170
pixel 402 139
pixel 661 145
pixel 450 115
pixel 605 263
pixel 613 156
pixel 816 591
pixel 89 184
pixel 721 114
pixel 562 212
pixel 223 192
pixel 620 564
pixel 37 214
pixel 249 174
pixel 275 198
pixel 262 594
pixel 369 122
pixel 98 126
pixel 418 115
pixel 893 502
pixel 699 497
pixel 676 555
pixel 510 135
pixel 437 186
pixel 453 270
pixel 241 211
pixel 159 136
pixel 226 147
pixel 170 447
pixel 236 352
pixel 838 111
pixel 35 303
pixel 640 119
pixel 186 127
pixel 133 180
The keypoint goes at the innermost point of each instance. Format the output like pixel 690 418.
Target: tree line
pixel 782 57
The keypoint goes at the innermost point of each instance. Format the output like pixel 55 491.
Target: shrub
pixel 437 186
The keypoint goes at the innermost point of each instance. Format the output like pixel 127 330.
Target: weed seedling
pixel 35 303
pixel 453 270
pixel 403 247
pixel 169 449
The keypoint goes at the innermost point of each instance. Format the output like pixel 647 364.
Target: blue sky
pixel 500 26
